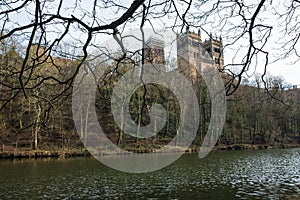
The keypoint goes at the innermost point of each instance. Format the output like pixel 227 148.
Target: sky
pixel 290 72
pixel 285 68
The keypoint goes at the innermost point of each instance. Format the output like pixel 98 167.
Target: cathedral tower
pixel 214 47
pixel 189 54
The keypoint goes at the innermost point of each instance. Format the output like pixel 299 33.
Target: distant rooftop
pixel 152 41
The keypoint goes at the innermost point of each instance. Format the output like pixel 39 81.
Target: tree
pixel 242 24
pixel 27 118
pixel 43 46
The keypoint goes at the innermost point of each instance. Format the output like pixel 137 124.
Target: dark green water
pixel 265 174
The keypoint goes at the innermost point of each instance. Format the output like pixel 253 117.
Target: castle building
pixel 192 53
pixel 154 51
pixel 189 55
pixel 214 47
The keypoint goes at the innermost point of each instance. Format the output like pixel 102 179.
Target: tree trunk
pixel 121 128
pixel 87 118
pixel 37 125
pixel 139 118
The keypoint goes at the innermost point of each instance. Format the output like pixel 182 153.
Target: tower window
pixel 208 50
pixel 217 61
pixel 195 44
pixel 217 50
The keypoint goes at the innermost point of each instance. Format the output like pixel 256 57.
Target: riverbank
pixel 80 152
pixel 62 153
pixel 254 146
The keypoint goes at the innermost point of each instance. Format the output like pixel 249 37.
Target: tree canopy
pixel 70 29
pixel 44 45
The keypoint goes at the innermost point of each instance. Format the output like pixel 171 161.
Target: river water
pixel 263 174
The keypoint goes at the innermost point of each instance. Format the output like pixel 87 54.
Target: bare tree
pixel 243 25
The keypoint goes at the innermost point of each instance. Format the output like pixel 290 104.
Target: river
pixel 261 174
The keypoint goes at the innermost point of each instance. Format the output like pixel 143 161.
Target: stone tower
pixel 192 53
pixel 214 47
pixel 189 54
pixel 154 51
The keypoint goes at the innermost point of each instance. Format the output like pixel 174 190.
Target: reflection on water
pixel 266 174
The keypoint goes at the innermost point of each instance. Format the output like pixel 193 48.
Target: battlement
pixel 152 41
